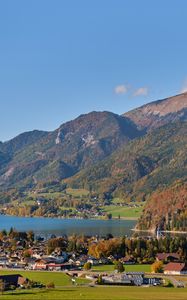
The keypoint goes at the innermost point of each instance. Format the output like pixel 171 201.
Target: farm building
pixel 174 268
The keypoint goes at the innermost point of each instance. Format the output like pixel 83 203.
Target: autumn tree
pixel 87 266
pixel 157 267
pixel 30 236
pixel 54 243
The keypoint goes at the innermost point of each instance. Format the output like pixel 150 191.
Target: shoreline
pixel 62 218
pixel 153 231
pixel 173 231
pixel 141 230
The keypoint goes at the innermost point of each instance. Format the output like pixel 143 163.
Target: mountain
pixel 119 154
pixel 22 141
pixel 43 156
pixel 166 209
pixel 144 165
pixel 138 156
pixel 159 113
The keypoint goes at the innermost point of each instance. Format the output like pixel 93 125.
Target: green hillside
pixel 38 156
pixel 144 165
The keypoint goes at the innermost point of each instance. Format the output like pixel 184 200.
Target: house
pixel 14 280
pixel 17 265
pixel 51 263
pixel 174 268
pixel 93 261
pixel 168 257
pixel 81 260
pixel 29 262
pixel 137 278
pixel 59 267
pixel 128 260
pixel 61 258
pixel 130 278
pixel 104 261
pixel 22 281
pixel 3 261
pixel 42 263
pixel 117 280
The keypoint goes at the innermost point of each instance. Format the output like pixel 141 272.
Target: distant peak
pixel 160 112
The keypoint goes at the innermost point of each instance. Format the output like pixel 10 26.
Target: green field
pixel 123 212
pixel 100 293
pixel 65 290
pixel 77 192
pixel 128 268
pixel 60 279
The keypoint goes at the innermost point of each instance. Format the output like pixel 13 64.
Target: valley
pixel 102 165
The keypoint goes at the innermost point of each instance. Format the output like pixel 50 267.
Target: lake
pixel 48 226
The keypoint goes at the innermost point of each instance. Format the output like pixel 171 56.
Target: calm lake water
pixel 48 226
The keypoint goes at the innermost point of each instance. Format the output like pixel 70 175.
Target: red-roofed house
pixel 168 256
pixel 174 268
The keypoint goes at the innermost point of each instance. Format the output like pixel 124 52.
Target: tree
pixel 100 279
pixel 11 230
pixel 54 243
pixel 157 267
pixel 2 286
pixel 109 216
pixel 27 253
pixel 87 266
pixel 4 233
pixel 119 267
pixel 30 236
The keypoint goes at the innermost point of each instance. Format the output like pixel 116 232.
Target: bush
pixel 169 284
pixel 87 266
pixel 119 266
pixel 50 285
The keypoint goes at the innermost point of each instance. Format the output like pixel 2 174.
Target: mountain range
pixel 143 165
pixel 41 156
pixel 130 155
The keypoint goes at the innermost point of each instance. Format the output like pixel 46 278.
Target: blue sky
pixel 62 58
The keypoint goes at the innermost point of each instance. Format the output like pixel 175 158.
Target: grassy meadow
pixel 60 279
pixel 123 211
pixel 84 290
pixel 128 268
pixel 100 293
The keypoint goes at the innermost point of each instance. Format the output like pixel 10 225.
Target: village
pixel 69 208
pixel 102 260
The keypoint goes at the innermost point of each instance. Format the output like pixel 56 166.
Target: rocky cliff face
pixel 158 113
